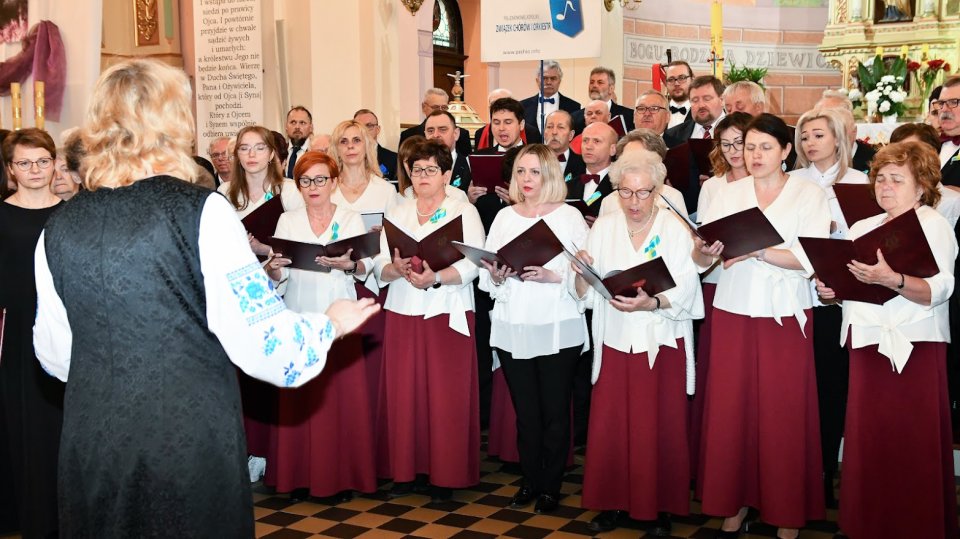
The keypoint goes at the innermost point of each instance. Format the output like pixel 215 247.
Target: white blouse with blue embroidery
pixel 257 331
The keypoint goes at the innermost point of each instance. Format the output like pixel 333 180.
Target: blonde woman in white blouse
pixel 536 326
pixel 897 455
pixel 761 402
pixel 823 157
pixel 430 362
pixel 638 464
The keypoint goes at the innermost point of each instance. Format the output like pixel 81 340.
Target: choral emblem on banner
pixel 566 16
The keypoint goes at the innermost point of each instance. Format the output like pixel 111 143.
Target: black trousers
pixel 583 388
pixel 483 307
pixel 833 373
pixel 541 389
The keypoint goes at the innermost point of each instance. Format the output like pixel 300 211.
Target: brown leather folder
pixel 436 248
pixel 262 222
pixel 856 201
pixel 303 255
pixel 653 277
pixel 904 247
pixel 700 149
pixel 487 171
pixel 677 162
pixel 618 125
pixel 741 233
pixel 535 246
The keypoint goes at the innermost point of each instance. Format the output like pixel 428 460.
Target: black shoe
pixel 400 490
pixel 660 527
pixel 607 521
pixel 299 494
pixel 522 498
pixel 546 503
pixel 440 494
pixel 421 485
pixel 336 499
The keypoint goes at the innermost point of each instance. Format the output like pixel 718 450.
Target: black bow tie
pixel 681 110
pixel 548 100
pixel 587 178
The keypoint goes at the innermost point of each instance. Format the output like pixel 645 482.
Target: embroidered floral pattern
pixel 255 293
pixel 270 341
pixel 290 375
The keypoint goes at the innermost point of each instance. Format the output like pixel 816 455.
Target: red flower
pixel 912 66
pixel 935 65
pixel 946 67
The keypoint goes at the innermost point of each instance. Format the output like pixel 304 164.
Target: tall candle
pixel 38 103
pixel 904 50
pixel 925 51
pixel 879 51
pixel 716 37
pixel 15 102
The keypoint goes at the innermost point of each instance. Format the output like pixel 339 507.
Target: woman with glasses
pixel 335 406
pixel 256 179
pixel 536 327
pixel 430 362
pixel 823 157
pixel 404 184
pixel 643 358
pixel 31 401
pixel 361 188
pixel 761 394
pixel 729 166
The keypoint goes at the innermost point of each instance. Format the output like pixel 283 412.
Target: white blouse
pixel 645 331
pixel 531 319
pixel 899 322
pixel 610 204
pixel 378 196
pixel 709 192
pixel 826 181
pixel 758 289
pixel 314 291
pixel 290 197
pixel 242 308
pixel 452 299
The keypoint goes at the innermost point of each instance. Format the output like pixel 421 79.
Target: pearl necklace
pixel 431 213
pixel 633 233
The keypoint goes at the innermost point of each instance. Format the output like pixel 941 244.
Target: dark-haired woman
pixel 761 432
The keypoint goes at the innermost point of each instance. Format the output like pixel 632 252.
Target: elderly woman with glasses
pixel 337 404
pixel 645 349
pixel 430 362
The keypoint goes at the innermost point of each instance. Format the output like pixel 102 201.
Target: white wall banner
pixel 539 29
pixel 229 70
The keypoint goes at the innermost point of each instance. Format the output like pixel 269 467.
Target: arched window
pixel 448 54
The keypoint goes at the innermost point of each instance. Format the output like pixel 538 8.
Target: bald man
pixel 598 146
pixel 320 143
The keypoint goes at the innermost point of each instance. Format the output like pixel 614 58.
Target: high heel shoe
pixel 733 534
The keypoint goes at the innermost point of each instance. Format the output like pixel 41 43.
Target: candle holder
pixel 38 104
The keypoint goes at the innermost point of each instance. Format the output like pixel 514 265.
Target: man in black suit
pixel 557 134
pixel 436 99
pixel 299 127
pixel 483 138
pixel 679 77
pixel 707 110
pixel 862 153
pixel 599 146
pixel 386 158
pixel 950 131
pixel 219 152
pixel 602 82
pixel 442 126
pixel 506 124
pixel 550 101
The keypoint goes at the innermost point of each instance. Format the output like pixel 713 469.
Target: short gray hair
pixel 653 92
pixel 551 64
pixel 648 137
pixel 756 91
pixel 639 163
pixel 435 91
pixel 838 95
pixel 216 140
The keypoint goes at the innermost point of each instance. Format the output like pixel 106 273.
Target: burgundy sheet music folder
pixel 856 201
pixel 303 255
pixel 487 171
pixel 653 277
pixel 262 222
pixel 436 248
pixel 741 233
pixel 535 246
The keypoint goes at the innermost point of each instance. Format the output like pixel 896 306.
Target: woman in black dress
pixel 31 402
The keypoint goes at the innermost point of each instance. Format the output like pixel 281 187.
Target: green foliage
pixel 869 77
pixel 753 74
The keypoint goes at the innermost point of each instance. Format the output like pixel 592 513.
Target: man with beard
pixel 600 87
pixel 679 78
pixel 706 110
pixel 299 128
pixel 557 134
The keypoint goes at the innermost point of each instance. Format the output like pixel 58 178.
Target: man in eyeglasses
pixel 386 158
pixel 950 131
pixel 219 152
pixel 651 112
pixel 436 99
pixel 679 78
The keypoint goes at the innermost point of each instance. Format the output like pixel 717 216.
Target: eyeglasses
pixel 319 181
pixel 25 165
pixel 216 156
pixel 678 80
pixel 950 103
pixel 438 107
pixel 727 147
pixel 652 110
pixel 642 194
pixel 425 171
pixel 245 148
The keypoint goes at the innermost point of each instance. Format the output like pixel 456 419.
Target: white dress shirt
pixel 645 331
pixel 947 151
pixel 290 155
pixel 698 129
pixel 453 299
pixel 546 108
pixel 532 319
pixel 899 322
pixel 675 117
pixel 590 187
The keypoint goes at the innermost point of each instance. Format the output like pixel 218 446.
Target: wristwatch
pixel 436 280
pixel 352 270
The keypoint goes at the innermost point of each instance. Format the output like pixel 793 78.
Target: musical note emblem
pixel 563 16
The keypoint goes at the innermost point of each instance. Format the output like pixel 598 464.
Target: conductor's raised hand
pixel 348 315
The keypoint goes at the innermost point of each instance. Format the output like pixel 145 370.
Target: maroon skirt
pixel 432 397
pixel 897 475
pixel 703 366
pixel 372 334
pixel 637 446
pixel 502 436
pixel 324 438
pixel 761 429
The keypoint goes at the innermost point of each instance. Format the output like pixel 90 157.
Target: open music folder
pixel 741 233
pixel 487 171
pixel 435 248
pixel 652 276
pixel 902 243
pixel 303 255
pixel 262 222
pixel 535 246
pixel 856 201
